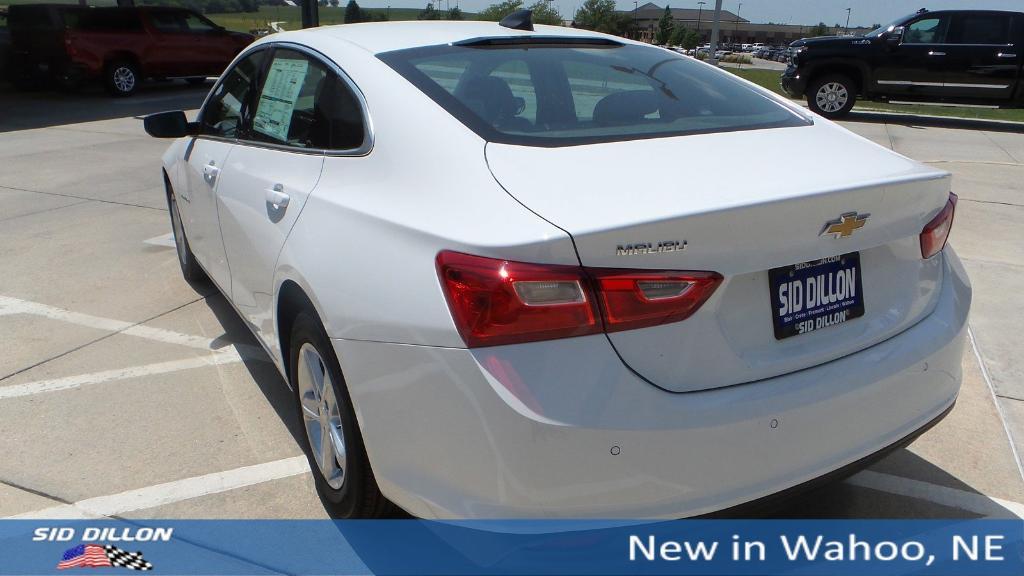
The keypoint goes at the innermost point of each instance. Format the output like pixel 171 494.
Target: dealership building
pixel 732 28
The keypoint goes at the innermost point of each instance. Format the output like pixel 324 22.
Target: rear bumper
pixel 563 429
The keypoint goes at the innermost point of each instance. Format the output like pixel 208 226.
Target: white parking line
pixel 942 495
pixel 17 306
pixel 171 492
pixel 164 240
pixel 77 381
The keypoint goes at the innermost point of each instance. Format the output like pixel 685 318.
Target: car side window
pixel 931 30
pixel 197 24
pixel 304 104
pixel 981 28
pixel 228 106
pixel 166 21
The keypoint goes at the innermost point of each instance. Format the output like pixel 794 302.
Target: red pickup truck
pixel 119 46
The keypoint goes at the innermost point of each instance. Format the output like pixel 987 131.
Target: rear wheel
pixel 121 78
pixel 832 95
pixel 333 443
pixel 190 269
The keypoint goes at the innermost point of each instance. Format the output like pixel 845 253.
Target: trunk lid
pixel 740 214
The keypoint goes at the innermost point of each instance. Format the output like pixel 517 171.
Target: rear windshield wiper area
pixel 538 42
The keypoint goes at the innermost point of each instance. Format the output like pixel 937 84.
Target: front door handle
pixel 934 53
pixel 210 172
pixel 1005 55
pixel 277 198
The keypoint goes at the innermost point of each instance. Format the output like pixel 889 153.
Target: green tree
pixel 455 13
pixel 496 12
pixel 353 13
pixel 429 13
pixel 819 30
pixel 665 25
pixel 678 35
pixel 600 16
pixel 544 12
pixel 690 40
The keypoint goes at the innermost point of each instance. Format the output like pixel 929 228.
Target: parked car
pixel 536 332
pixel 119 46
pixel 5 41
pixel 956 56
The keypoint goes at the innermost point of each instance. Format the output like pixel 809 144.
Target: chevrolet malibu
pixel 507 272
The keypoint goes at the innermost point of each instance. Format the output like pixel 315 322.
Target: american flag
pixel 102 556
pixel 85 555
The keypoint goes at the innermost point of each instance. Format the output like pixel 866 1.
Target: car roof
pixel 377 37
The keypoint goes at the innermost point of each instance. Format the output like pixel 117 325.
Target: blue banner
pixel 415 547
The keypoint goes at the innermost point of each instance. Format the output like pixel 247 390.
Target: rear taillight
pixel 638 299
pixel 501 302
pixel 496 301
pixel 935 233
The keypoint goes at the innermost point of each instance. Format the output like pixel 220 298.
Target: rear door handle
pixel 934 53
pixel 277 198
pixel 1005 55
pixel 210 172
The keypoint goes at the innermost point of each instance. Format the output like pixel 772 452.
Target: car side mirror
pixel 894 37
pixel 172 124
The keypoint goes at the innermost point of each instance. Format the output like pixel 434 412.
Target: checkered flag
pixel 124 559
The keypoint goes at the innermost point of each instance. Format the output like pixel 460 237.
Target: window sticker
pixel 277 102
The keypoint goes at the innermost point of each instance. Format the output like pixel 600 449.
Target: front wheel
pixel 832 96
pixel 190 269
pixel 333 442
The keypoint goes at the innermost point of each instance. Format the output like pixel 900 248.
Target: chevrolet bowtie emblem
pixel 845 225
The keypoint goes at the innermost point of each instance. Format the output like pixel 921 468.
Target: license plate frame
pixel 809 296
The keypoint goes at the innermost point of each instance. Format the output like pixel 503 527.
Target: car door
pixel 917 65
pixel 172 51
pixel 983 60
pixel 221 121
pixel 268 177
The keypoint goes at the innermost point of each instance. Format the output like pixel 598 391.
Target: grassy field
pixel 292 19
pixel 770 79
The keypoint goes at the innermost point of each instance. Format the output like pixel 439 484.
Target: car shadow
pixel 254 358
pixel 25 110
pixel 914 120
pixel 901 486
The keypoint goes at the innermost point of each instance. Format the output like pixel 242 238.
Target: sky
pixel 863 12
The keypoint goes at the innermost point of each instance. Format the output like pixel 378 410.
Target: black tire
pixel 122 78
pixel 838 94
pixel 190 268
pixel 196 81
pixel 358 496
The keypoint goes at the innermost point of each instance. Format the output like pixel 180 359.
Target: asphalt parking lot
pixel 126 392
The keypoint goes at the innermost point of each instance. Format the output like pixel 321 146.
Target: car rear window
pixel 563 92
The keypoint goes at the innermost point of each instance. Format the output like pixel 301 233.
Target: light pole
pixel 715 27
pixel 635 3
pixel 847 30
pixel 736 22
pixel 700 9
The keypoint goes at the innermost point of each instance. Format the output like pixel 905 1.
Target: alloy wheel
pixel 832 97
pixel 124 79
pixel 321 416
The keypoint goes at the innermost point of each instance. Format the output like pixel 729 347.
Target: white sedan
pixel 508 273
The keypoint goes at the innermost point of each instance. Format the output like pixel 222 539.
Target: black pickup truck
pixel 954 56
